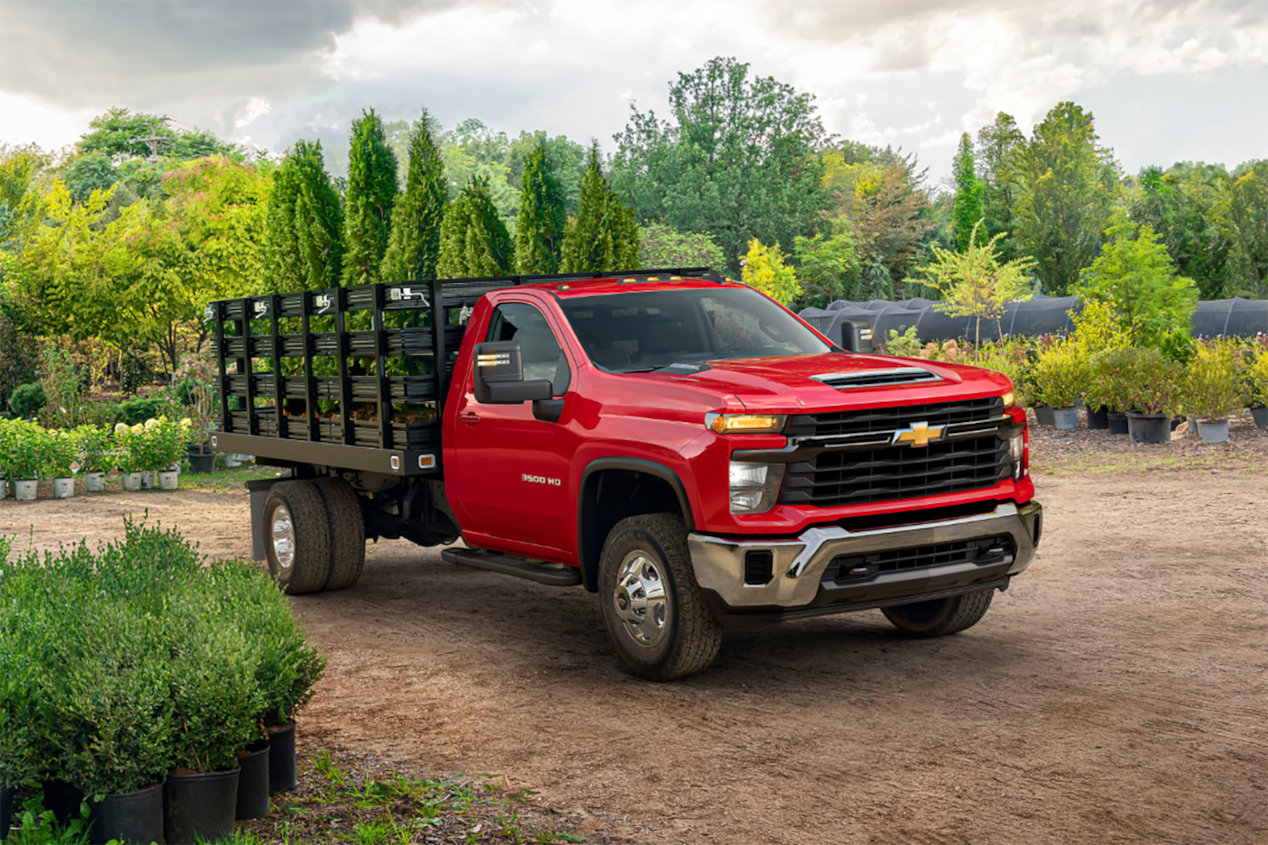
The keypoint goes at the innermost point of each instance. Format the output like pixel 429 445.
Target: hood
pixel 834 380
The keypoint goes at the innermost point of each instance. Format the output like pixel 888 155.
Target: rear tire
pixel 652 606
pixel 347 532
pixel 297 537
pixel 940 617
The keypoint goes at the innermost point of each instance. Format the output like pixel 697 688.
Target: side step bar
pixel 552 574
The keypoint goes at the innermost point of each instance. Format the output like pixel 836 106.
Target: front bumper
pixel 797 579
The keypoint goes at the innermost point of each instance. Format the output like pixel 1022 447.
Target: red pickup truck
pixel 678 443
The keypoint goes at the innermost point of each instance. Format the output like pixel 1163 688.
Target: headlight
pixel 754 487
pixel 1010 399
pixel 745 423
pixel 1017 451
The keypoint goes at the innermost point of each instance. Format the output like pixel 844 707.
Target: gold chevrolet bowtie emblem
pixel 919 435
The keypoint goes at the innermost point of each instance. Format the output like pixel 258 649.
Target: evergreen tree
pixel 603 236
pixel 997 148
pixel 368 203
pixel 540 228
pixel 473 240
pixel 414 247
pixel 283 265
pixel 318 219
pixel 968 195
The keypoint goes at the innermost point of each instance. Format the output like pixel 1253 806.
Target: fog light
pixel 754 487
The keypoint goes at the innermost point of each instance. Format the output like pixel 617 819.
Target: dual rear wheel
pixel 314 535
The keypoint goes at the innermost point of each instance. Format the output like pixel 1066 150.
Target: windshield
pixel 647 330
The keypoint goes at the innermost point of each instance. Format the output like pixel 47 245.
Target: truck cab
pixel 689 450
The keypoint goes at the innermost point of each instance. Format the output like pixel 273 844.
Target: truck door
pixel 506 470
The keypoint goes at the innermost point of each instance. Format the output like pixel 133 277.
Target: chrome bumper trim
pixel 800 563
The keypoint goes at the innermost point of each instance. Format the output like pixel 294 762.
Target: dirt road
pixel 1115 694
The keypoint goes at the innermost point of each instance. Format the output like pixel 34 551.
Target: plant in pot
pixel 167 442
pixel 1214 388
pixel 196 375
pixel 27 456
pixel 62 457
pixel 1257 387
pixel 7 437
pixel 216 702
pixel 129 453
pixel 1060 376
pixel 94 450
pixel 1153 387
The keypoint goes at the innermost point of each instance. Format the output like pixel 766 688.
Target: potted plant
pixel 27 456
pixel 1214 388
pixel 94 451
pixel 1099 393
pixel 1060 376
pixel 196 373
pixel 1257 387
pixel 1152 390
pixel 62 459
pixel 130 454
pixel 167 441
pixel 8 436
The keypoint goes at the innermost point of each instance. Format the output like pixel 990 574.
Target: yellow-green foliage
pixel 1257 380
pixel 765 268
pixel 1060 375
pixel 1213 384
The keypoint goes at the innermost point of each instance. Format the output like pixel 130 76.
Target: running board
pixel 552 574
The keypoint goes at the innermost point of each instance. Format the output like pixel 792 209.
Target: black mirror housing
pixel 499 376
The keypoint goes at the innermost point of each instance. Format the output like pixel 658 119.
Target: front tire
pixel 297 537
pixel 940 617
pixel 652 606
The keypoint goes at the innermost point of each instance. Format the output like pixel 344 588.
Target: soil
pixel 1115 693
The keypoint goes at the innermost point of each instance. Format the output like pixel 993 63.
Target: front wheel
pixel 652 606
pixel 939 617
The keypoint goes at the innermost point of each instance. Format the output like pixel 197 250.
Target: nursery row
pixel 30 452
pixel 147 682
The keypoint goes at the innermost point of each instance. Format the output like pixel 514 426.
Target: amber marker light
pixel 745 423
pixel 1009 400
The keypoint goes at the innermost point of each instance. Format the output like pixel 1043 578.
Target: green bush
pixel 1060 376
pixel 143 408
pixel 100 412
pixel 1147 382
pixel 27 400
pixel 1257 380
pixel 24 450
pixel 1213 382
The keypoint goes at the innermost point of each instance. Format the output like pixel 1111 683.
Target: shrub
pixel 100 413
pixel 61 452
pixel 25 450
pixel 94 448
pixel 143 408
pixel 63 386
pixel 27 400
pixel 1060 376
pixel 1213 383
pixel 1257 380
pixel 1148 382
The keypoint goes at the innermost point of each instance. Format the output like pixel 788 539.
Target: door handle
pixel 469 418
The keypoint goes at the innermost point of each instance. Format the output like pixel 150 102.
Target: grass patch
pixel 226 480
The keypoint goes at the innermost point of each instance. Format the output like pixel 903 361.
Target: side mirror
pixel 499 376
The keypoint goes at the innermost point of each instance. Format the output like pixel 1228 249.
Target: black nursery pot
pixel 1149 428
pixel 1098 420
pixel 128 817
pixel 6 810
pixel 282 759
pixel 200 806
pixel 1117 422
pixel 1043 415
pixel 200 462
pixel 63 799
pixel 253 782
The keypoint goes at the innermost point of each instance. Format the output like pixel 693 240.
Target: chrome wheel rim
pixel 641 599
pixel 283 538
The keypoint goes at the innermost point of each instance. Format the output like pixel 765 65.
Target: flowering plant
pixel 61 453
pixel 94 447
pixel 129 447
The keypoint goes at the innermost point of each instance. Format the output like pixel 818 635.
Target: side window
pixel 543 358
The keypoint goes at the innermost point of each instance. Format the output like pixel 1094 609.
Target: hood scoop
pixel 877 378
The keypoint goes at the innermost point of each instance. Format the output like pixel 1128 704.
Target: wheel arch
pixel 614 488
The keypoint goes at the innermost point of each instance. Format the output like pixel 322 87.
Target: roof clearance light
pixel 653 278
pixel 745 423
pixel 1009 400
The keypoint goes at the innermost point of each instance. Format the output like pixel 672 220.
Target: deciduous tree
pixel 766 268
pixel 664 246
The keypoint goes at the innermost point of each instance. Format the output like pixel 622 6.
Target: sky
pixel 1167 80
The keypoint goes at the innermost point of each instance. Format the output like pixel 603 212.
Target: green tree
pixel 368 204
pixel 1136 277
pixel 540 228
pixel 766 268
pixel 114 133
pixel 1184 205
pixel 974 283
pixel 663 246
pixel 739 160
pixel 828 267
pixel 968 211
pixel 1246 219
pixel 19 210
pixel 1068 190
pixel 318 219
pixel 566 158
pixel 997 148
pixel 603 236
pixel 473 241
pixel 414 246
pixel 284 268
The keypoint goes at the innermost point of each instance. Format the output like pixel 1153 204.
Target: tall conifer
pixel 473 240
pixel 603 236
pixel 540 227
pixel 318 219
pixel 414 247
pixel 283 269
pixel 968 194
pixel 368 204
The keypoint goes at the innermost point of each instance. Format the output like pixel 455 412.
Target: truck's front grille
pixel 881 420
pixel 982 550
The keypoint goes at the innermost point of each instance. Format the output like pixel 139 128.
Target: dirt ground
pixel 1116 693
